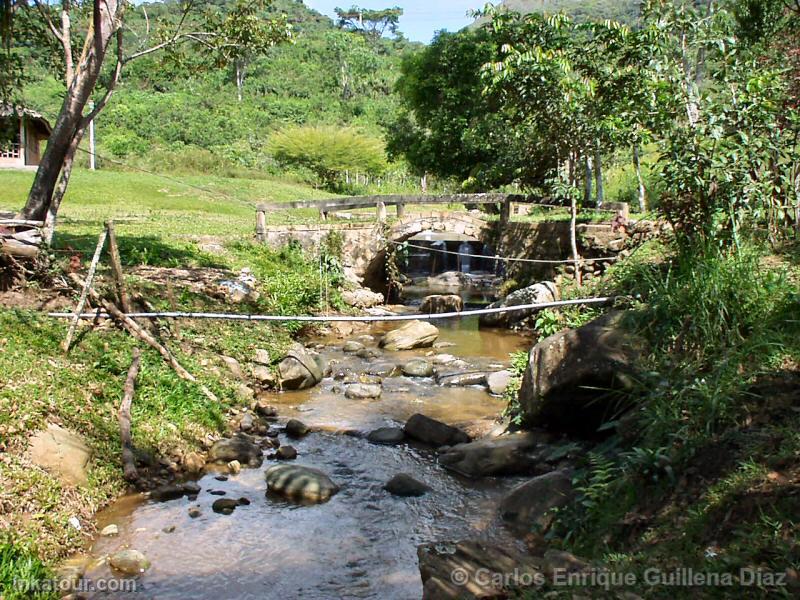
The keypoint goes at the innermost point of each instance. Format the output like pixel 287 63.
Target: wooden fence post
pixel 381 210
pixel 261 223
pixel 116 267
pixel 505 212
pixel 401 210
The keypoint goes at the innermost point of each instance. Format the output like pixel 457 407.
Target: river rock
pixel 265 376
pixel 418 367
pixel 529 505
pixel 362 378
pixel 129 562
pixel 61 452
pixel 387 435
pixel 286 453
pixel 498 381
pixel 465 571
pixel 443 359
pixel 462 379
pixel 240 447
pixel 296 429
pixel 362 298
pixel 110 530
pixel 438 304
pixel 384 370
pixel 433 432
pixel 300 483
pixel 406 486
pixel 363 391
pixel 194 462
pixel 262 357
pixel 533 294
pixel 505 455
pixel 352 347
pixel 264 409
pixel 300 369
pixel 414 334
pixel 174 491
pixel 443 345
pixel 224 506
pixel 195 512
pixel 234 467
pixel 569 375
pixel 368 353
pixel 233 366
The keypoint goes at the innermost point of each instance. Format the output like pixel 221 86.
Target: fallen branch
pixel 128 461
pixel 101 241
pixel 138 332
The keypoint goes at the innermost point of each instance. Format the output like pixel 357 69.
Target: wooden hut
pixel 23 134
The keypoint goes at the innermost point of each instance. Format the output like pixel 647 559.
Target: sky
pixel 421 18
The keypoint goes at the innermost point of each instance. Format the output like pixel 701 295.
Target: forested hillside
pixel 180 108
pixel 625 11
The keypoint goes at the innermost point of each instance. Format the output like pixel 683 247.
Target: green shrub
pixel 328 151
pixel 20 574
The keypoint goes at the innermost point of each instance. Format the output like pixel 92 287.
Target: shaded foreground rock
pixel 174 491
pixel 434 432
pixel 405 486
pixel 414 334
pixel 61 452
pixel 530 504
pixel 300 483
pixel 387 435
pixel 463 570
pixel 299 370
pixel 571 375
pixel 240 447
pixel 533 294
pixel 505 455
pixel 296 429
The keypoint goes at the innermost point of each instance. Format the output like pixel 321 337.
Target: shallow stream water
pixel 360 544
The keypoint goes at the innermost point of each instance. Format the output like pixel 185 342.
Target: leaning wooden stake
pixel 138 332
pixel 86 289
pixel 573 239
pixel 116 268
pixel 128 461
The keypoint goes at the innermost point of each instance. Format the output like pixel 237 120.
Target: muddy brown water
pixel 360 544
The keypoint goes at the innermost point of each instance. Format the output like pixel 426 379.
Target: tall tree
pixel 86 34
pixel 372 22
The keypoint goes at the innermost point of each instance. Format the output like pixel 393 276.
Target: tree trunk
pixel 573 238
pixel 239 79
pixel 61 189
pixel 106 18
pixel 642 190
pixel 587 182
pixel 598 174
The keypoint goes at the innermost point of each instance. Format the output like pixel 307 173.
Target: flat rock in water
pixel 352 347
pixel 406 486
pixel 240 447
pixel 387 435
pixel 505 455
pixel 384 370
pixel 415 334
pixel 130 562
pixel 462 379
pixel 434 432
pixel 297 482
pixel 296 429
pixel 363 391
pixel 418 367
pixel 61 452
pixel 463 571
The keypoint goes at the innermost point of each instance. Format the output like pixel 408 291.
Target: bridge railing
pixel 380 202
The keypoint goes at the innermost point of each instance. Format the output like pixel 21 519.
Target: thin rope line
pixel 342 319
pixel 509 259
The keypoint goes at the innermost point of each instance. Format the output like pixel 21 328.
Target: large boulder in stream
pixel 505 455
pixel 438 304
pixel 240 447
pixel 433 432
pixel 300 369
pixel 574 377
pixel 297 482
pixel 414 334
pixel 468 570
pixel 533 294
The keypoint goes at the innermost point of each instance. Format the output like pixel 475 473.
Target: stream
pixel 360 544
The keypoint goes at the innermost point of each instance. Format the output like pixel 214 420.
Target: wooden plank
pixel 101 241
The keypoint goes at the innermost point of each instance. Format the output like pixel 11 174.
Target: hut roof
pixel 7 110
